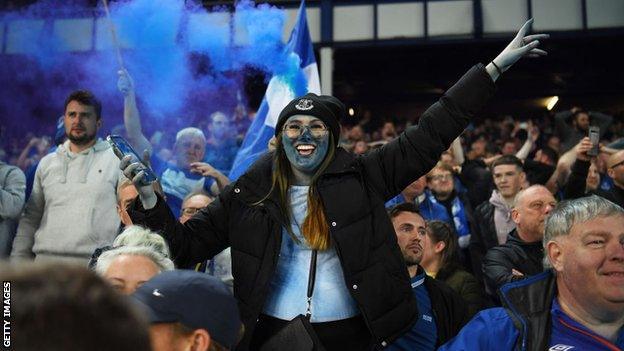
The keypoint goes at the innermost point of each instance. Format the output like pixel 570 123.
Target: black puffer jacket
pixel 514 254
pixel 483 237
pixel 450 310
pixel 353 191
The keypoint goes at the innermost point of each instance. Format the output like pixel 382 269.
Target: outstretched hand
pixel 134 172
pixel 522 45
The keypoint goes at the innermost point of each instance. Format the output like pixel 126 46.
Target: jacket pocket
pixel 245 271
pixel 66 228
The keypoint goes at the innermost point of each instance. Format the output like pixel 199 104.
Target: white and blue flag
pixel 299 78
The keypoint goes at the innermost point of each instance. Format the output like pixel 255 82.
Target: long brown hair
pixel 314 229
pixel 442 231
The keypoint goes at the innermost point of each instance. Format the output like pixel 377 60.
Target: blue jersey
pixel 177 183
pixel 493 329
pixel 569 335
pixel 424 333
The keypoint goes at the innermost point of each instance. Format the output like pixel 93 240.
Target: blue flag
pixel 300 77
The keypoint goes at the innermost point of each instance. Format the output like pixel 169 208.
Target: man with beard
pixel 71 210
pixel 442 312
pixel 573 125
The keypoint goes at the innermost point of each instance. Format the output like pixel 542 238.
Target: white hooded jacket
pixel 71 210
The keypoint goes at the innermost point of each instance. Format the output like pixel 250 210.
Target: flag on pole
pixel 282 88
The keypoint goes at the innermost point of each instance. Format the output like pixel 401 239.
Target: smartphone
pixel 121 148
pixel 594 137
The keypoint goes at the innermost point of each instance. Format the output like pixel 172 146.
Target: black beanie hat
pixel 324 107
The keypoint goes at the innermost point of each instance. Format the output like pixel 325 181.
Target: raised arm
pixel 532 135
pixel 576 182
pixel 132 119
pixel 415 152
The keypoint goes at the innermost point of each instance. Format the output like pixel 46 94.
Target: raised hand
pixel 125 84
pixel 145 190
pixel 204 169
pixel 581 149
pixel 522 45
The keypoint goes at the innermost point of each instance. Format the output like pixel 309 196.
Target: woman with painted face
pixel 311 195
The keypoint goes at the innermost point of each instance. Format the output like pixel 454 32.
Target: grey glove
pixel 146 191
pixel 521 45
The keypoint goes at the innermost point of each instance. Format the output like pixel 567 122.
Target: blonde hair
pixel 135 235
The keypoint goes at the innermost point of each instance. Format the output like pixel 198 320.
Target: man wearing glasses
pixel 444 203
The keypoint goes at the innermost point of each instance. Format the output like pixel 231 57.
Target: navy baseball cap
pixel 197 300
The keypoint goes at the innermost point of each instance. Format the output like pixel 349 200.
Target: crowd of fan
pixel 476 222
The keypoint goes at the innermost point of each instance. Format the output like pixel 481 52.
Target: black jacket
pixel 575 187
pixel 514 254
pixel 353 191
pixel 528 303
pixel 483 237
pixel 465 285
pixel 477 178
pixel 577 181
pixel 615 195
pixel 449 309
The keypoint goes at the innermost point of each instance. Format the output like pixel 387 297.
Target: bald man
pixel 615 170
pixel 522 254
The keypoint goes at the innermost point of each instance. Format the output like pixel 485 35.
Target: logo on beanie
pixel 304 105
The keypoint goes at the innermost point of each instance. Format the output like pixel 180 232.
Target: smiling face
pixel 508 180
pixel 440 181
pixel 590 264
pixel 593 178
pixel 189 149
pixel 306 141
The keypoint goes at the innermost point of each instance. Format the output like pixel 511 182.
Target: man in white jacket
pixel 71 210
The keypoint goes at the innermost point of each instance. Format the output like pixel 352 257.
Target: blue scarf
pixel 431 209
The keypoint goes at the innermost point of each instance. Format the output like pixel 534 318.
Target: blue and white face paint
pixel 305 140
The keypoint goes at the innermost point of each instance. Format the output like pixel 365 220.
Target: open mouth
pixel 615 274
pixel 305 149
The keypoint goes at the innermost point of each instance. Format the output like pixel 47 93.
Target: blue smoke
pixel 186 62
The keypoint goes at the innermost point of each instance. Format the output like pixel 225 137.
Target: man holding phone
pixel 71 210
pixel 580 169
